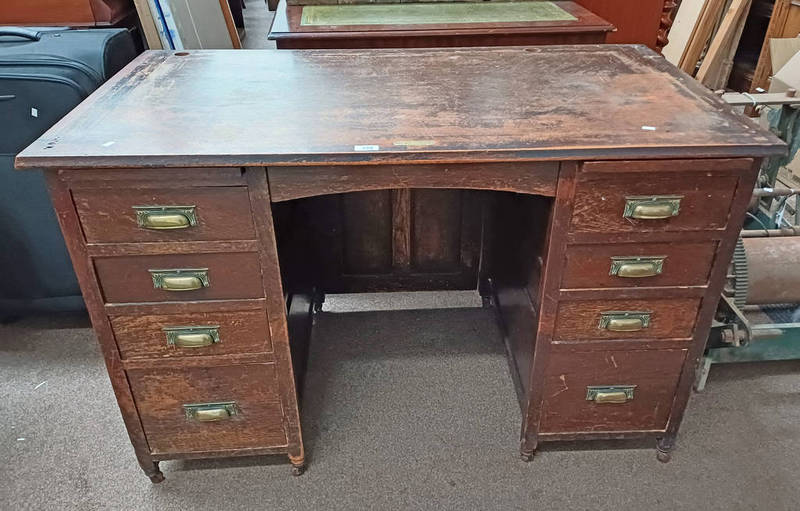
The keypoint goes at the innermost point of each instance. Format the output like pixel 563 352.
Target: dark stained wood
pixel 671 318
pixel 73 13
pixel 239 332
pixel 401 229
pixel 655 374
pixel 161 393
pixel 686 264
pixel 469 104
pixel 146 178
pixel 600 202
pixel 108 216
pixel 127 279
pixel 639 22
pixel 287 183
pixel 367 232
pixel 288 32
pixel 436 230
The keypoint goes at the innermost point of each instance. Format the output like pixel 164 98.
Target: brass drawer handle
pixel 637 267
pixel 652 207
pixel 192 336
pixel 210 412
pixel 610 394
pixel 624 321
pixel 162 218
pixel 180 279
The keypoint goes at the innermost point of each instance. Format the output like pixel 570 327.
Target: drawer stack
pixel 182 273
pixel 632 274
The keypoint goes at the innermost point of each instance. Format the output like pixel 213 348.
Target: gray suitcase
pixel 44 73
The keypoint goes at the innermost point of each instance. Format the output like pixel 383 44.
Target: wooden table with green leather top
pixel 592 195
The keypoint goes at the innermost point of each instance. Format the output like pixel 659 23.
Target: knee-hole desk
pixel 592 194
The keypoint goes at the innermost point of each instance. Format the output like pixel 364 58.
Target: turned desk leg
pixel 151 470
pixel 664 447
pixel 298 464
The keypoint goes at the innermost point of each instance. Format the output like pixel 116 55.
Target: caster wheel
pixel 526 456
pixel 663 457
pixel 156 478
pixel 298 471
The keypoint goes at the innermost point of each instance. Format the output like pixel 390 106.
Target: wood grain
pixel 655 374
pixel 239 332
pixel 126 279
pixel 223 213
pixel 161 393
pixel 671 318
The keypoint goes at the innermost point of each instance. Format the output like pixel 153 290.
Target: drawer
pixel 184 335
pixel 148 278
pixel 186 214
pixel 681 202
pixel 609 390
pixel 591 320
pixel 638 264
pixel 231 407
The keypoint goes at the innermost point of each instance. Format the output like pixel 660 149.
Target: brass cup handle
pixel 610 394
pixel 192 336
pixel 624 321
pixel 210 412
pixel 652 207
pixel 637 267
pixel 165 217
pixel 182 279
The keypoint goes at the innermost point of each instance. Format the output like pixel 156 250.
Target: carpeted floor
pixel 403 409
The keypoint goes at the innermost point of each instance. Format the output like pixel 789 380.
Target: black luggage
pixel 44 73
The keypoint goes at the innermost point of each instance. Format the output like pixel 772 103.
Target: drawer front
pixel 164 278
pixel 188 214
pixel 590 320
pixel 235 407
pixel 628 390
pixel 183 335
pixel 638 264
pixel 612 203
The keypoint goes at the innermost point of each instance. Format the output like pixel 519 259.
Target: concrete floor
pixel 403 409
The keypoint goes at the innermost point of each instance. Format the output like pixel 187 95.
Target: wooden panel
pixel 239 332
pixel 126 279
pixel 367 232
pixel 73 13
pixel 600 202
pixel 655 374
pixel 223 213
pixel 476 108
pixel 436 230
pixel 670 318
pixel 686 264
pixel 637 22
pixel 161 393
pixel 288 183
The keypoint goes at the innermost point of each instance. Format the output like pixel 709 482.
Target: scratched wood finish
pixel 108 216
pixel 655 374
pixel 600 202
pixel 287 183
pixel 143 336
pixel 127 279
pixel 161 393
pixel 579 320
pixel 466 104
pixel 685 264
pixel 288 32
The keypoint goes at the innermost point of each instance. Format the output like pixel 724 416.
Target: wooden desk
pixel 460 24
pixel 608 192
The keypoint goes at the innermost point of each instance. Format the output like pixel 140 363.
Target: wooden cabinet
pixel 602 246
pixel 73 13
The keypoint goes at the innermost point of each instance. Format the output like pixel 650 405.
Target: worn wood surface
pixel 161 393
pixel 655 374
pixel 107 216
pixel 239 332
pixel 127 279
pixel 288 32
pixel 444 105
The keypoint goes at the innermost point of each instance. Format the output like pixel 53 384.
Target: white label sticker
pixel 649 128
pixel 109 143
pixel 366 147
pixel 34 112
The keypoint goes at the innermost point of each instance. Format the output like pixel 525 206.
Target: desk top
pixel 255 107
pixel 326 21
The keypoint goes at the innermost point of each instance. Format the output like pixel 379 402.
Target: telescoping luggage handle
pixel 25 33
